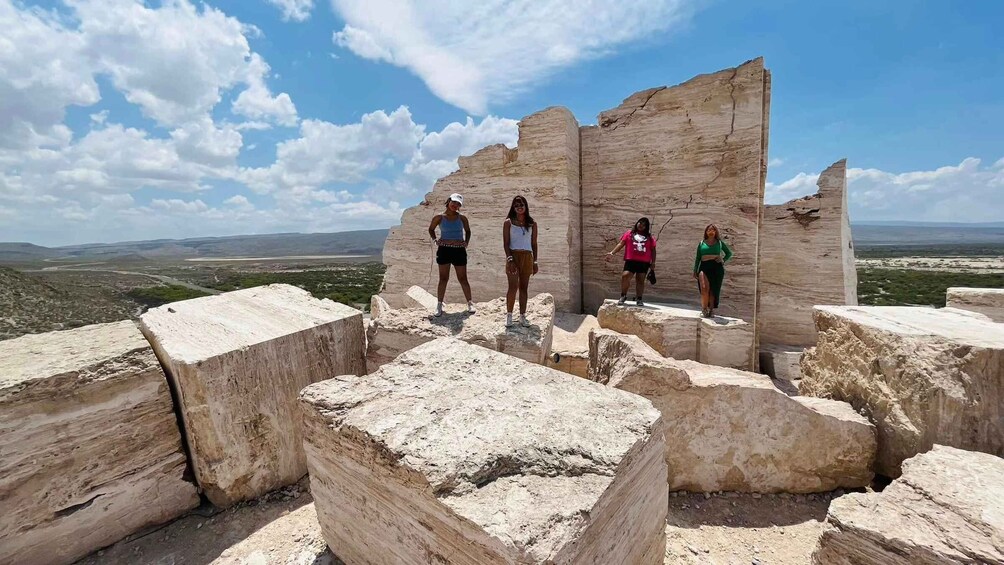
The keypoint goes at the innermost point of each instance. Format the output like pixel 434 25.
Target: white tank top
pixel 519 238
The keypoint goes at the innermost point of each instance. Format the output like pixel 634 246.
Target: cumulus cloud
pixel 257 101
pixel 295 10
pixel 474 54
pixel 967 192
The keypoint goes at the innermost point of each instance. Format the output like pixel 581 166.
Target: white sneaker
pixel 639 302
pixel 439 309
pixel 622 300
pixel 523 321
pixel 470 308
pixel 508 320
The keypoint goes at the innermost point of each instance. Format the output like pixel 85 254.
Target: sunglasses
pixel 519 205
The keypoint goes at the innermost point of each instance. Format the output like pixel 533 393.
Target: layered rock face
pixel 806 258
pixel 679 332
pixel 987 301
pixel 946 508
pixel 237 362
pixel 570 343
pixel 397 330
pixel 683 156
pixel 89 440
pixel 732 430
pixel 924 376
pixel 497 461
pixel 545 169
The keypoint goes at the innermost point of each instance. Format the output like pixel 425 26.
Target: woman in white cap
pixel 454 235
pixel 519 241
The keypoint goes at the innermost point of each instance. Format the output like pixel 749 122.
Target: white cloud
pixel 295 10
pixel 257 101
pixel 967 192
pixel 775 162
pixel 476 54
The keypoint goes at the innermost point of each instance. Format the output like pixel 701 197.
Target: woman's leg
pixel 625 282
pixel 524 286
pixel 462 278
pixel 716 286
pixel 510 295
pixel 705 290
pixel 639 284
pixel 444 277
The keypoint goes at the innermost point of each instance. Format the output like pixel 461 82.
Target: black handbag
pixel 651 276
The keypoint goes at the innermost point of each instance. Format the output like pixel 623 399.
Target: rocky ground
pixel 281 528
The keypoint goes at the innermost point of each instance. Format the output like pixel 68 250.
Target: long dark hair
pixel 512 212
pixel 718 232
pixel 648 227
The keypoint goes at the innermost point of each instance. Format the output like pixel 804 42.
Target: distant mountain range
pixel 366 242
pixel 963 225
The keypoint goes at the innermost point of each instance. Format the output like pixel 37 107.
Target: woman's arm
pixel 533 245
pixel 467 230
pixel 510 266
pixel 432 227
pixel 652 264
pixel 726 251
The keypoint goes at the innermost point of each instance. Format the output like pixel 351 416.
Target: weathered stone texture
pixel 987 301
pixel 497 461
pixel 725 342
pixel 422 297
pixel 924 376
pixel 784 363
pixel 684 156
pixel 732 430
pixel 545 169
pixel 89 445
pixel 570 343
pixel 398 330
pixel 679 332
pixel 807 258
pixel 947 508
pixel 237 362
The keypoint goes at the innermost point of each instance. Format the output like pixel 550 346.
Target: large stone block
pixel 725 342
pixel 457 454
pixel 987 301
pixel 683 156
pixel 545 169
pixel 924 376
pixel 570 343
pixel 731 430
pixel 89 445
pixel 679 332
pixel 238 361
pixel 398 330
pixel 783 363
pixel 806 258
pixel 946 508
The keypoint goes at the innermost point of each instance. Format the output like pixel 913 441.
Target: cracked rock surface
pixel 89 444
pixel 466 455
pixel 923 376
pixel 730 430
pixel 946 508
pixel 987 301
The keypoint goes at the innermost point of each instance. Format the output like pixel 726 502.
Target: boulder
pixel 732 430
pixel 570 343
pixel 988 301
pixel 946 508
pixel 90 445
pixel 457 454
pixel 780 362
pixel 422 298
pixel 923 376
pixel 398 330
pixel 725 342
pixel 237 361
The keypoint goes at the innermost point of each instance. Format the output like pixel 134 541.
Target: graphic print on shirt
pixel 640 242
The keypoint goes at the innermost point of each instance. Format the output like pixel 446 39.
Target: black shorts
pixel 636 266
pixel 451 256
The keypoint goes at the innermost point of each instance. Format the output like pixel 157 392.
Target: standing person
pixel 454 236
pixel 639 259
pixel 709 269
pixel 519 241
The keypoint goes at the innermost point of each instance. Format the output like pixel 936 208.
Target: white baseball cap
pixel 456 197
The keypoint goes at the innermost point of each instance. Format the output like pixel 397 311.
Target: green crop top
pixel 718 248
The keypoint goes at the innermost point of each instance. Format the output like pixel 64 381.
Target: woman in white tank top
pixel 519 240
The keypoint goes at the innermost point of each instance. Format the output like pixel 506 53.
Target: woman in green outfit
pixel 709 269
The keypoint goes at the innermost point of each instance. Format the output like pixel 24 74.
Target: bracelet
pixel 509 258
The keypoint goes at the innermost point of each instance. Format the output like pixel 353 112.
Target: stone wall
pixel 683 156
pixel 806 258
pixel 545 169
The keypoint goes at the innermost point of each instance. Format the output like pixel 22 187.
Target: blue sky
pixel 123 120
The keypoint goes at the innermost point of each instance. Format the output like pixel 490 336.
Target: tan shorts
pixel 524 262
